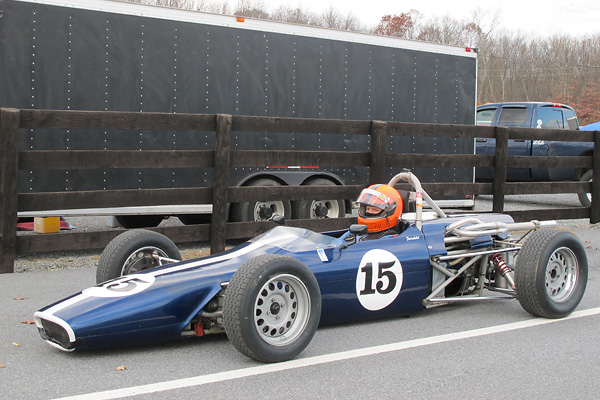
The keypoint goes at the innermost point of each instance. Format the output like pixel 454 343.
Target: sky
pixel 541 18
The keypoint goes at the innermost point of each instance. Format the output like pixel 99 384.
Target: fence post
pixel 500 166
pixel 378 139
pixel 595 206
pixel 9 168
pixel 218 231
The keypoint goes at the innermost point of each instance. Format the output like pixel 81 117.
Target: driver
pixel 380 208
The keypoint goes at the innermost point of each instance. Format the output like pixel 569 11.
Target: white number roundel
pixel 379 279
pixel 121 287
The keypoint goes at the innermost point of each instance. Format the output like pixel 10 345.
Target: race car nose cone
pixel 275 308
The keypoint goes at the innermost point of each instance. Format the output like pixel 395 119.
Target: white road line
pixel 324 359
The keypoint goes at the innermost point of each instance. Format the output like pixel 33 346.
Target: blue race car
pixel 270 293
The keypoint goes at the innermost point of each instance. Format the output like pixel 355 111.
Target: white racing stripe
pixel 213 260
pixel 177 267
pixel 324 359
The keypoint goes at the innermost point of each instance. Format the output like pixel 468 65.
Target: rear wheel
pixel 311 209
pixel 272 308
pixel 586 198
pixel 260 210
pixel 135 251
pixel 551 273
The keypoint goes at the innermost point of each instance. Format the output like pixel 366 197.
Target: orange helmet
pixel 380 207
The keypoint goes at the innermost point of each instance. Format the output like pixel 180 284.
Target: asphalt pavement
pixel 464 351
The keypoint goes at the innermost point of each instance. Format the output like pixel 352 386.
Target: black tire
pixel 586 198
pixel 260 210
pixel 312 209
pixel 134 251
pixel 195 219
pixel 139 221
pixel 272 308
pixel 551 273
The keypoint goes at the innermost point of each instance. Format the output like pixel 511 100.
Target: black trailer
pixel 115 56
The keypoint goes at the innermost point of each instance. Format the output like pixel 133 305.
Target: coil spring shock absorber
pixel 503 269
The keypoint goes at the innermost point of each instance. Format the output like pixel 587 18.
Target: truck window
pixel 513 116
pixel 486 116
pixel 570 122
pixel 549 117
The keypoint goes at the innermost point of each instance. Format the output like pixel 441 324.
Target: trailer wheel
pixel 139 221
pixel 260 210
pixel 272 308
pixel 134 251
pixel 551 273
pixel 311 209
pixel 586 198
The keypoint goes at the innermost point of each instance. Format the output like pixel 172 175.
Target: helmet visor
pixel 369 198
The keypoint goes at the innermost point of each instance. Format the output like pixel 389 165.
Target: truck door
pixel 509 116
pixel 554 116
pixel 485 117
pixel 516 117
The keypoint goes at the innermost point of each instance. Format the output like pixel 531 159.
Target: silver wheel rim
pixel 561 274
pixel 143 258
pixel 333 208
pixel 282 310
pixel 276 207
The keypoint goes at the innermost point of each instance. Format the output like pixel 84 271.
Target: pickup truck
pixel 534 115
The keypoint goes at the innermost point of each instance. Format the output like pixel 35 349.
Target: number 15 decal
pixel 379 279
pixel 122 286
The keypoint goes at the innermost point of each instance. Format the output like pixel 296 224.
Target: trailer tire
pixel 312 209
pixel 134 251
pixel 272 308
pixel 260 210
pixel 139 221
pixel 586 198
pixel 551 273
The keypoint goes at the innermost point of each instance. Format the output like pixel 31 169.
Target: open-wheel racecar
pixel 270 293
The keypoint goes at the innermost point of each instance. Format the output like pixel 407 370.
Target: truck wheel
pixel 311 209
pixel 272 308
pixel 134 251
pixel 260 210
pixel 551 273
pixel 586 198
pixel 139 221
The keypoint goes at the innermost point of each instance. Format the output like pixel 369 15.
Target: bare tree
pixel 251 9
pixel 332 18
pixel 294 16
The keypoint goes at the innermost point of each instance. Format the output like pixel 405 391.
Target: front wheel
pixel 586 198
pixel 551 273
pixel 272 308
pixel 135 251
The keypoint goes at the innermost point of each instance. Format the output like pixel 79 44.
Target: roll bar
pixel 420 193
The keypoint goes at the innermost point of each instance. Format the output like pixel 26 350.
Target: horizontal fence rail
pixel 222 158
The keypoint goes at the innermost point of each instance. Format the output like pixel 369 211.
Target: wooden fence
pixel 222 158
